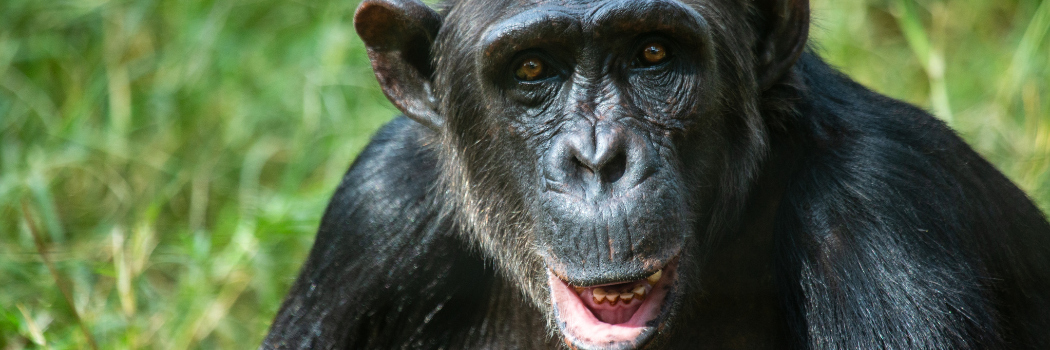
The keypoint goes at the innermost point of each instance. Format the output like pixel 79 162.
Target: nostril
pixel 615 169
pixel 581 168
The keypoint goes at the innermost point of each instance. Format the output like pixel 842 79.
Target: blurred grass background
pixel 174 157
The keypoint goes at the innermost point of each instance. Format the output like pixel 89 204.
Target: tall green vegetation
pixel 164 163
pixel 982 66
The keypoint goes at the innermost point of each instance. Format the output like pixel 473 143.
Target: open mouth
pixel 623 315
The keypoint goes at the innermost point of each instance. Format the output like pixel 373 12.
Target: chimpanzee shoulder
pixel 388 270
pixel 890 204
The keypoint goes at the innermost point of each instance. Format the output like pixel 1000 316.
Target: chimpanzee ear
pixel 783 27
pixel 398 35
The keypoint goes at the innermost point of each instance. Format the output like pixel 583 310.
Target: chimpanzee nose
pixel 597 159
pixel 604 160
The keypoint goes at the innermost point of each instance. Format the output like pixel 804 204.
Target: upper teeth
pixel 655 277
pixel 601 294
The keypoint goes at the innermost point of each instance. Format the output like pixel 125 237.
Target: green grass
pixel 175 156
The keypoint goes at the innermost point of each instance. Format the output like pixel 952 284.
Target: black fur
pixel 896 234
pixel 388 271
pixel 863 223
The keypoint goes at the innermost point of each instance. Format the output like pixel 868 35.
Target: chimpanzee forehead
pixel 589 13
pixel 517 24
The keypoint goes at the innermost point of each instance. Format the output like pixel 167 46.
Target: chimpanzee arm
pixel 386 270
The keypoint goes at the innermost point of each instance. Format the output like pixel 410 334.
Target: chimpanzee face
pixel 588 108
pixel 585 144
pixel 580 115
pixel 593 102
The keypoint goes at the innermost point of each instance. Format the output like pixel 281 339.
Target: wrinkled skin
pixel 553 145
pixel 593 156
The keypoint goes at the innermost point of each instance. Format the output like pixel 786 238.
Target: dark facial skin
pixel 597 123
pixel 614 154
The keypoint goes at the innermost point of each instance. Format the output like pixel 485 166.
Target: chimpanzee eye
pixel 652 53
pixel 531 69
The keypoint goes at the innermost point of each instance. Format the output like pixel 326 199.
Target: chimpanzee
pixel 659 174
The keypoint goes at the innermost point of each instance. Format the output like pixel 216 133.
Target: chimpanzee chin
pixel 658 174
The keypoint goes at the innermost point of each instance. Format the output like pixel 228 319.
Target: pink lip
pixel 584 330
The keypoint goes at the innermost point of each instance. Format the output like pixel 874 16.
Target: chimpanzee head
pixel 594 149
